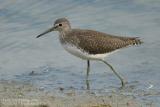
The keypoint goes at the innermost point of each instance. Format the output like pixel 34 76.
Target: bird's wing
pixel 95 42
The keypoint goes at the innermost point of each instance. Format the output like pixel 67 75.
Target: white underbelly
pixel 83 55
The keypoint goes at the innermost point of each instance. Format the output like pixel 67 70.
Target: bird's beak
pixel 47 31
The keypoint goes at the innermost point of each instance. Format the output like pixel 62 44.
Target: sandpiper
pixel 90 44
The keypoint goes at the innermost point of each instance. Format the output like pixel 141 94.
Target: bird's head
pixel 61 25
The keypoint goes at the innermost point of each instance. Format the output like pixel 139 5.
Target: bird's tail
pixel 136 41
pixel 133 41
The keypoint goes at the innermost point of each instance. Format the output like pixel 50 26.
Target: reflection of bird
pixel 90 44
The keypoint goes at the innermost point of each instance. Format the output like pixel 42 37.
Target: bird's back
pixel 95 42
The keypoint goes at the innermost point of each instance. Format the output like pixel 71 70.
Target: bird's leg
pixel 122 81
pixel 87 76
pixel 87 84
pixel 88 69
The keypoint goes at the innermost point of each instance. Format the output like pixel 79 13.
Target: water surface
pixel 21 53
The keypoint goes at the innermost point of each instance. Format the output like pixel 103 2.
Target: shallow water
pixel 53 68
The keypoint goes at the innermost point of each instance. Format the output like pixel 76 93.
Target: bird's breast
pixel 78 52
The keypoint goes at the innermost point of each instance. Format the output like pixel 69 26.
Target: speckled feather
pixel 94 42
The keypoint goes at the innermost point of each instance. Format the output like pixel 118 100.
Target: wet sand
pixel 16 94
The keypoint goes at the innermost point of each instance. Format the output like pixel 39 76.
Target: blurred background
pixel 22 55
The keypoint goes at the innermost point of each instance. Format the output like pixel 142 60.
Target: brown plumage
pixel 92 45
pixel 95 42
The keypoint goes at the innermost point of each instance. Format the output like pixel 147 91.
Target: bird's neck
pixel 63 36
pixel 63 33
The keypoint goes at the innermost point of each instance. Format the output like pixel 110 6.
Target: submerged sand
pixel 16 94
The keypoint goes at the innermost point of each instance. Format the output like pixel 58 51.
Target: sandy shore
pixel 15 94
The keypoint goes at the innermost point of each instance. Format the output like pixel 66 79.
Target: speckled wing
pixel 95 42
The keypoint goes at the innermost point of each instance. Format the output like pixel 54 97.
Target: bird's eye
pixel 60 24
